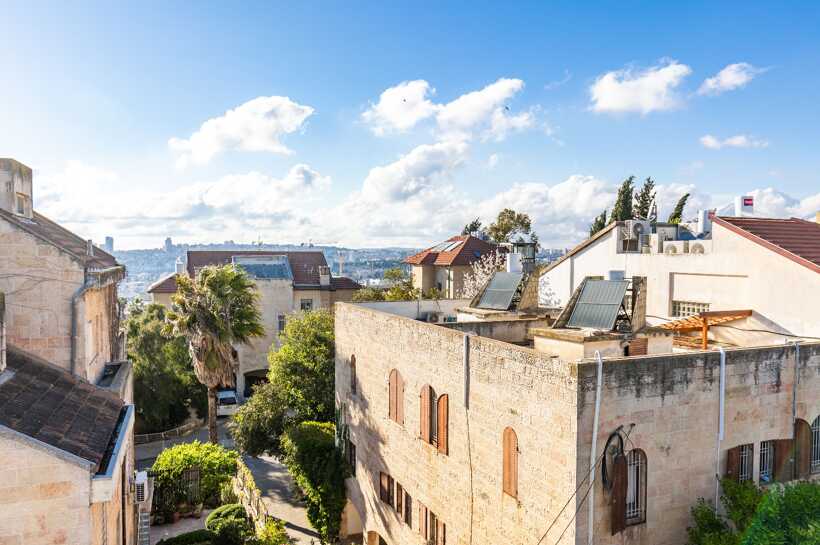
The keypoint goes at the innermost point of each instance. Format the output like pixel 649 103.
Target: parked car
pixel 226 403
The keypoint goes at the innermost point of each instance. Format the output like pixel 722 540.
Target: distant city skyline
pixel 396 126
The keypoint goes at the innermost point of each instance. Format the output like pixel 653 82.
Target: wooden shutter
pixel 510 469
pixel 783 458
pixel 733 464
pixel 441 533
pixel 392 395
pixel 639 347
pixel 618 499
pixel 384 495
pixel 399 399
pixel 443 422
pixel 802 440
pixel 400 500
pixel 353 374
pixel 424 417
pixel 422 520
pixel 408 509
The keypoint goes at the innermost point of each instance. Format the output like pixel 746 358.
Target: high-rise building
pixel 109 244
pixel 169 244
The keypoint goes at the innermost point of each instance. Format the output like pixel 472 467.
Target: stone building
pixel 288 282
pixel 61 290
pixel 480 432
pixel 444 265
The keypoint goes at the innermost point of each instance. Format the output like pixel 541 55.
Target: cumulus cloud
pixel 492 160
pixel 737 141
pixel 414 172
pixel 643 91
pixel 484 113
pixel 401 107
pixel 256 125
pixel 734 76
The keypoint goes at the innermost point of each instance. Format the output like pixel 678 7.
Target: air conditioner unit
pixel 143 488
pixel 633 229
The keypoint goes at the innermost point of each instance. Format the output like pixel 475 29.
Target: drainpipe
pixel 721 426
pixel 795 380
pixel 74 298
pixel 593 451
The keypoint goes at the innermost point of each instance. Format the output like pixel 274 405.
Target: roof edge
pixel 581 246
pixel 29 441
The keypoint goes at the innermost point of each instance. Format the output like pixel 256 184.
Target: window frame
pixel 814 449
pixel 684 309
pixel 766 463
pixel 282 322
pixel 351 456
pixel 353 387
pixel 306 305
pixel 746 462
pixel 636 469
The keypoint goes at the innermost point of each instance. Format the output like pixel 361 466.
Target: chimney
pixel 179 266
pixel 2 331
pixel 638 317
pixel 15 188
pixel 89 248
pixel 744 206
pixel 324 276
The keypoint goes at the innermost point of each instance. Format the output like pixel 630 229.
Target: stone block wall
pixel 508 386
pixel 44 500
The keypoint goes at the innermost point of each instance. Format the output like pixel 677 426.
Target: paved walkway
pixel 279 492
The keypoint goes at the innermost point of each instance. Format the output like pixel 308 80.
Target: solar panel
pixel 598 305
pixel 500 291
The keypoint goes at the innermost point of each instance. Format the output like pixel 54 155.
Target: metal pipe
pixel 74 298
pixel 466 361
pixel 592 452
pixel 796 379
pixel 721 423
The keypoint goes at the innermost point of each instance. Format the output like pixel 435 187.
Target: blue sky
pixel 543 107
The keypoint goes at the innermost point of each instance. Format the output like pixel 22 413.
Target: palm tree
pixel 215 311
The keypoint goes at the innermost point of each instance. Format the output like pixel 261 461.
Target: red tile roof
pixel 457 250
pixel 795 239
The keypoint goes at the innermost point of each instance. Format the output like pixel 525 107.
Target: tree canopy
pixel 677 214
pixel 622 210
pixel 643 200
pixel 598 223
pixel 511 225
pixel 472 228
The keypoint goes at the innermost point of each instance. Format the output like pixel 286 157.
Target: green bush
pixel 217 465
pixel 226 493
pixel 197 537
pixel 273 533
pixel 788 515
pixel 740 501
pixel 319 470
pixel 229 524
pixel 257 425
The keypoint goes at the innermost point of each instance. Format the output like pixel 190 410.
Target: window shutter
pixel 443 422
pixel 441 533
pixel 353 374
pixel 618 500
pixel 392 395
pixel 783 460
pixel 424 417
pixel 510 469
pixel 399 501
pixel 383 485
pixel 802 440
pixel 639 347
pixel 733 464
pixel 399 399
pixel 422 520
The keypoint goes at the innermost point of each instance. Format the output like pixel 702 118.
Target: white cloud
pixel 256 125
pixel 492 160
pixel 737 141
pixel 734 76
pixel 558 83
pixel 642 91
pixel 401 107
pixel 414 172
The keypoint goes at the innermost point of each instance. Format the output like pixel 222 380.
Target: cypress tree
pixel 677 213
pixel 623 202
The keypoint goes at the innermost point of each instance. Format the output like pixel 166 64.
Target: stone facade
pixel 672 400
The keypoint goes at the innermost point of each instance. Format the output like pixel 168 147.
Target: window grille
pixel 351 456
pixel 432 536
pixel 815 445
pixel 636 487
pixel 682 309
pixel 746 462
pixel 281 323
pixel 433 418
pixel 766 461
pixel 306 305
pixel 408 509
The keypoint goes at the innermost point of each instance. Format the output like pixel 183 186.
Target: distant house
pixel 443 266
pixel 288 282
pixel 61 290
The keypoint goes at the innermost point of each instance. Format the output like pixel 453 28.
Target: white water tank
pixel 744 206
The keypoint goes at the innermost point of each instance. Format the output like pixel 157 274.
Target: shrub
pixel 197 537
pixel 227 494
pixel 257 425
pixel 319 470
pixel 788 515
pixel 217 465
pixel 229 524
pixel 740 501
pixel 273 533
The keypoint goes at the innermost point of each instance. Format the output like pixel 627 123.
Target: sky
pixel 395 124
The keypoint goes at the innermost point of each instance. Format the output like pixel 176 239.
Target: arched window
pixel 396 397
pixel 510 469
pixel 815 445
pixel 353 374
pixel 635 487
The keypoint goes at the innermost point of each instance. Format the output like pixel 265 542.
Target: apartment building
pixel 588 427
pixel 287 282
pixel 444 265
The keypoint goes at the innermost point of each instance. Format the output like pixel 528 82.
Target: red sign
pixel 748 201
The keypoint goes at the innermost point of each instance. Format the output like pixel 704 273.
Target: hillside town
pixel 208 339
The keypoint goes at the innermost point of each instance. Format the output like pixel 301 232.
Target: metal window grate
pixel 682 309
pixel 746 462
pixel 635 487
pixel 766 461
pixel 815 445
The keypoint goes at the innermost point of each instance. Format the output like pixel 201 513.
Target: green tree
pixel 214 311
pixel 510 224
pixel 643 199
pixel 740 502
pixel 677 214
pixel 164 382
pixel 598 223
pixel 319 470
pixel 303 367
pixel 788 515
pixel 395 275
pixel 472 228
pixel 258 424
pixel 622 210
pixel 363 295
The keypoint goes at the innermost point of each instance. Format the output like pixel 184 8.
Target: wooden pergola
pixel 701 322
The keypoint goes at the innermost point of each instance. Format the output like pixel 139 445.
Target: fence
pixel 171 492
pixel 185 429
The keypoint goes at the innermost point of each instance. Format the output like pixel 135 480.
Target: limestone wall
pixel 43 499
pixel 508 386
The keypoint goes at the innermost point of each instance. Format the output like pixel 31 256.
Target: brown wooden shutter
pixel 424 417
pixel 423 520
pixel 443 422
pixel 618 499
pixel 783 460
pixel 441 534
pixel 353 374
pixel 383 487
pixel 392 395
pixel 510 469
pixel 802 440
pixel 400 500
pixel 639 347
pixel 733 464
pixel 399 399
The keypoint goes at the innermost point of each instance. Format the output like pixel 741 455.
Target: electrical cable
pixel 605 480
